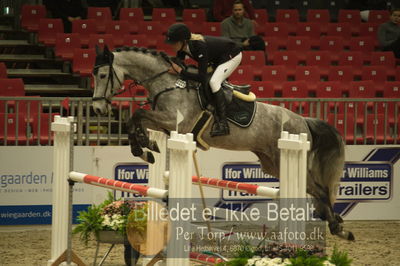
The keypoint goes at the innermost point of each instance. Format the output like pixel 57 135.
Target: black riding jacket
pixel 212 51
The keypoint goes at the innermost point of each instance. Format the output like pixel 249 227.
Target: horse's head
pixel 108 79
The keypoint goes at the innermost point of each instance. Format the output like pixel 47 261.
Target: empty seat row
pixel 325 89
pixel 30 15
pixel 21 128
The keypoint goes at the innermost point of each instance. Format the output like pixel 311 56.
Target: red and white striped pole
pixel 118 185
pixel 237 186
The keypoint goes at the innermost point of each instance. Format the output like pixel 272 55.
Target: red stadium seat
pixel 339 29
pixel 242 74
pixel 319 58
pixel 31 15
pixel 378 16
pixel 298 43
pixel 368 29
pixel 346 126
pixel 271 44
pixel 329 89
pixel 41 132
pixel 48 29
pixel 377 74
pixel 12 87
pixel 277 29
pixel 164 15
pixel 331 43
pixel 261 16
pixel 308 73
pixel 256 59
pixel 66 43
pixel 196 15
pixel 352 58
pixel 344 74
pixel 83 62
pixel 84 27
pixel 320 16
pixel 102 15
pixel 377 130
pixel 118 29
pixel 101 40
pixel 276 73
pixel 362 89
pixel 364 44
pixel 349 15
pixel 287 15
pixel 212 28
pixel 287 58
pixel 16 128
pixel 383 58
pixel 151 28
pixel 391 89
pixel 132 16
pixel 137 40
pixel 311 30
pixel 294 89
pixel 263 89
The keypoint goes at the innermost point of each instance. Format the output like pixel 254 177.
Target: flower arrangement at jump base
pixel 111 215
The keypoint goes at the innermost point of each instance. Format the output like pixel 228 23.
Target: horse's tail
pixel 327 155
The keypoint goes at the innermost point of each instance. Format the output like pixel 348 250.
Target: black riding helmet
pixel 178 32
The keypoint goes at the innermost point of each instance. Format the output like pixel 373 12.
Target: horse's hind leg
pixel 321 184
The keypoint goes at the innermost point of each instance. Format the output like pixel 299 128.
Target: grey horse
pixel 149 68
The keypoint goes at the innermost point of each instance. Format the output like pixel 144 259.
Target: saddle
pixel 240 102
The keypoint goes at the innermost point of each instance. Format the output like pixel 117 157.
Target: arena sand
pixel 377 243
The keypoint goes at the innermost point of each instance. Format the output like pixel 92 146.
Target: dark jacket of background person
pixel 223 9
pixel 66 8
pixel 388 34
pixel 237 32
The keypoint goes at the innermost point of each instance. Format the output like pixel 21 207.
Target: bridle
pixel 110 80
pixel 111 73
pixel 135 83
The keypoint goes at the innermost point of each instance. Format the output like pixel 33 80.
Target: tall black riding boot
pixel 220 126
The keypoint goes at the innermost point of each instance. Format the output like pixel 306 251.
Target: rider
pixel 220 52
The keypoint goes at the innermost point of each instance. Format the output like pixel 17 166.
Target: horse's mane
pixel 144 50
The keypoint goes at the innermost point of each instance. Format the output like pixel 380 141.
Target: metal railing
pixel 27 120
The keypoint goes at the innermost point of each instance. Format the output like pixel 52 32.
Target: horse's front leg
pixel 141 133
pixel 136 148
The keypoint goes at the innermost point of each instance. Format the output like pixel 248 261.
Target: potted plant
pixel 107 221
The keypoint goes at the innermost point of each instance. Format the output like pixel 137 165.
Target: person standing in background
pixel 389 33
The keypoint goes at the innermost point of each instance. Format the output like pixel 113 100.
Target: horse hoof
pixel 150 157
pixel 154 147
pixel 351 236
pixel 137 152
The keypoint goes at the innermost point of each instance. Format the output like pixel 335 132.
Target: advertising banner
pixel 367 190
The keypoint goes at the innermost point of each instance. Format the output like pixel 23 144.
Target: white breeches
pixel 223 71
